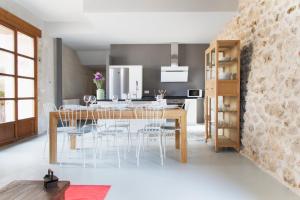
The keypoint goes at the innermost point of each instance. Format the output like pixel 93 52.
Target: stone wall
pixel 269 31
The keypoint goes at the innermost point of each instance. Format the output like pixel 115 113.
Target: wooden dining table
pixel 178 114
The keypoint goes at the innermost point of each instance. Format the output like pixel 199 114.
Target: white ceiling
pixel 95 24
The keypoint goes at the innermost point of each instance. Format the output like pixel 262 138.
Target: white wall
pixel 46 73
pixel 46 78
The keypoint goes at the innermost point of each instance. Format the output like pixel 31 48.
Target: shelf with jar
pixel 222 94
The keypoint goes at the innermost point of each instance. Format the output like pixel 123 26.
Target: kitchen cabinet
pixel 191 107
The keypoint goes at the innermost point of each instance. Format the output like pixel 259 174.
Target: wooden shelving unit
pixel 222 94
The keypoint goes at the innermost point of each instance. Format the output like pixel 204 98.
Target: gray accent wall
pixel 58 86
pixel 153 56
pixel 76 78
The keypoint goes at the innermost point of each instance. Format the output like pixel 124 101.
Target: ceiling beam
pixel 160 6
pixel 20 24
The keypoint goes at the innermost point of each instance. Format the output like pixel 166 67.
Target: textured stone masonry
pixel 269 31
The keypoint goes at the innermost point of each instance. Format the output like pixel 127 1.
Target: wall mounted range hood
pixel 174 73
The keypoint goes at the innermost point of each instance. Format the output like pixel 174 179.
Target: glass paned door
pixel 25 88
pixel 18 78
pixel 17 83
pixel 25 109
pixel 7 38
pixel 25 76
pixel 25 67
pixel 7 86
pixel 7 111
pixel 7 75
pixel 7 63
pixel 25 45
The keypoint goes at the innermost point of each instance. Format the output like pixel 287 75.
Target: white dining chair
pixel 121 123
pixel 74 124
pixel 169 129
pixel 106 129
pixel 154 117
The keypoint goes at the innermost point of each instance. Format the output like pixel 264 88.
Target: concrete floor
pixel 207 175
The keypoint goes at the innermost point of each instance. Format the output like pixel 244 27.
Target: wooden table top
pixel 33 190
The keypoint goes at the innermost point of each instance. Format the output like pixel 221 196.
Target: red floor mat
pixel 86 192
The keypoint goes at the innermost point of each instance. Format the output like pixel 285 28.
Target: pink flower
pixel 98 76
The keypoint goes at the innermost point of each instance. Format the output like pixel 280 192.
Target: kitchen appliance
pixel 124 80
pixel 174 73
pixel 178 102
pixel 119 82
pixel 195 93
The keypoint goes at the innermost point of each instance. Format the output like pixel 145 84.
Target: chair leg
pixel 129 131
pixel 62 148
pixel 161 150
pixel 127 150
pixel 143 143
pixel 46 142
pixel 118 151
pixel 138 150
pixel 129 142
pixel 165 145
pixel 101 143
pixel 82 150
pixel 114 141
pixel 137 145
pixel 95 149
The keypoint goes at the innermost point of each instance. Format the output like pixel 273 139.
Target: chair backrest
pixel 73 116
pixel 105 116
pixel 153 115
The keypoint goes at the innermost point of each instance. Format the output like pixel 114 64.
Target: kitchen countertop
pixel 151 98
pixel 182 97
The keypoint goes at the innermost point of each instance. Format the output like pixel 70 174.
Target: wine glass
pixel 86 99
pixel 159 98
pixel 115 98
pixel 128 98
pixel 93 99
pixel 162 93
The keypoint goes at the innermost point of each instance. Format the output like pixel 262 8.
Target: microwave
pixel 195 93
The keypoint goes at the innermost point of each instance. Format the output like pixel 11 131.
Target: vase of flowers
pixel 99 82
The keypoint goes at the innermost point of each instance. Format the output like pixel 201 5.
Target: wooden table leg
pixel 73 142
pixel 183 138
pixel 177 134
pixel 73 137
pixel 52 138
